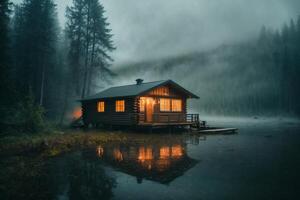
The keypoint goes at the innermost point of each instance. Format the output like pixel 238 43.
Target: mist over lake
pixel 257 163
pixel 136 99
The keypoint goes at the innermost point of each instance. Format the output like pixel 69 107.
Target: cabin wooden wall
pixel 132 114
pixel 163 116
pixel 110 116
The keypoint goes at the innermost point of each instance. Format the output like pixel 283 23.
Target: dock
pixel 217 130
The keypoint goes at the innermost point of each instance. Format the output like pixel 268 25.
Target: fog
pixel 211 47
pixel 145 30
pixel 155 29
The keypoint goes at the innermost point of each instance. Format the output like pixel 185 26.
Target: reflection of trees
pixel 88 180
pixel 25 178
pixel 72 176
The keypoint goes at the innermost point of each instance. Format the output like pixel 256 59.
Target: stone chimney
pixel 139 81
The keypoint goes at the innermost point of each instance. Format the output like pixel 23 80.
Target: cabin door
pixel 149 109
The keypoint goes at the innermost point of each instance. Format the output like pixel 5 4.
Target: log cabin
pixel 158 103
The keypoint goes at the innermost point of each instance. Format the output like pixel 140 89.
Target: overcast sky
pixel 149 29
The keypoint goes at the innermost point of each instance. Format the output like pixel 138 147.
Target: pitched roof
pixel 135 90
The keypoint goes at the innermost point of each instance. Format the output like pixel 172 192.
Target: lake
pixel 262 161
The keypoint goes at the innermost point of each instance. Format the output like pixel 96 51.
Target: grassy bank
pixel 57 142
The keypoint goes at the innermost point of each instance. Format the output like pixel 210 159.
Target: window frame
pixel 117 107
pixel 160 104
pixel 99 110
pixel 170 105
pixel 180 105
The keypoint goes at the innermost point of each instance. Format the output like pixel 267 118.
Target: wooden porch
pixel 169 119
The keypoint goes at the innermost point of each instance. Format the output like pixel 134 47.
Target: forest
pixel 45 68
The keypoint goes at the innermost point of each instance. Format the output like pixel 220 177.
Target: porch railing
pixel 168 118
pixel 192 117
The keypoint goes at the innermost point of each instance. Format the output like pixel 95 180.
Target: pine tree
pixel 75 32
pixel 5 61
pixel 35 35
pixel 90 42
pixel 101 41
pixel 4 37
pixel 4 26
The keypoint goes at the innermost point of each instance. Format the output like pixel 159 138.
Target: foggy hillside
pixel 216 76
pixel 241 79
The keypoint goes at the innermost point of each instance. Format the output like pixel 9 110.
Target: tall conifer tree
pixel 90 43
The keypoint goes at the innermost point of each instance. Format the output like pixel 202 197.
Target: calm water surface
pixel 260 162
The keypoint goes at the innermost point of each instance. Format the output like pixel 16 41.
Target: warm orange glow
pixel 117 154
pixel 144 101
pixel 100 151
pixel 161 91
pixel 77 112
pixel 142 104
pixel 164 152
pixel 120 106
pixel 145 154
pixel 177 151
pixel 150 101
pixel 176 105
pixel 101 106
pixel 165 104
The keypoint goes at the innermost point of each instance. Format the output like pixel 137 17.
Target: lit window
pixel 142 104
pixel 177 151
pixel 164 104
pixel 100 106
pixel 145 154
pixel 120 106
pixel 164 152
pixel 176 105
pixel 117 154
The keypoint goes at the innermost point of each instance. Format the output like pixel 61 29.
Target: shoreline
pixel 64 140
pixel 58 142
pixel 53 144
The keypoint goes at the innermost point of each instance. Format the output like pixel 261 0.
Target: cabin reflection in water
pixel 160 163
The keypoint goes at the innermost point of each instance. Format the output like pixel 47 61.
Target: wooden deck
pixel 169 119
pixel 165 124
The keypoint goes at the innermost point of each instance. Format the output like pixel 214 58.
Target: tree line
pixel 261 77
pixel 254 77
pixel 45 67
pixel 276 55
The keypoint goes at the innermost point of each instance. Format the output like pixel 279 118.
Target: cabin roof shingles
pixel 134 90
